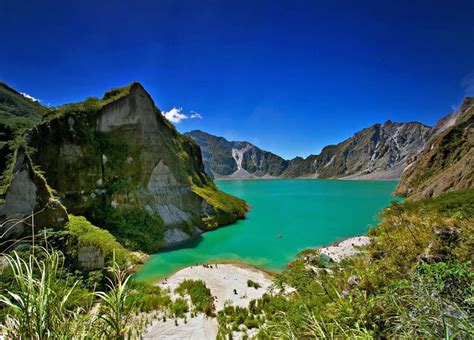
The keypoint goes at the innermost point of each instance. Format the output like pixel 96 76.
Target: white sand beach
pixel 345 248
pixel 227 282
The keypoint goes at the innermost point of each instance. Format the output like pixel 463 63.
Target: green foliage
pixel 136 229
pixel 447 205
pixel 116 312
pixel 253 284
pixel 415 280
pixel 148 297
pixel 39 306
pixel 17 112
pixel 200 295
pixel 179 307
pixel 227 208
pixel 87 234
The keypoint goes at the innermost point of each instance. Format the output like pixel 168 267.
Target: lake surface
pixel 305 213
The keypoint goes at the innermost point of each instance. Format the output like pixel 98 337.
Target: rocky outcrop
pixel 120 163
pixel 28 202
pixel 90 257
pixel 236 160
pixel 447 161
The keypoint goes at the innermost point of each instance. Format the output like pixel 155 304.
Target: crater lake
pixel 286 217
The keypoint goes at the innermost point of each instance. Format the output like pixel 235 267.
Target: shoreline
pixel 305 178
pixel 237 263
pixel 340 246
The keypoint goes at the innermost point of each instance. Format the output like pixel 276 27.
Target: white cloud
pixel 195 115
pixel 175 115
pixel 26 95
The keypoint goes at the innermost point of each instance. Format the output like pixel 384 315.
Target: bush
pixel 179 307
pixel 253 284
pixel 200 295
pixel 87 234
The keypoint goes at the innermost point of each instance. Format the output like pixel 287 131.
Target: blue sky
pixel 290 76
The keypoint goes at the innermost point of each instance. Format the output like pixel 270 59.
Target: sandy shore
pixel 345 248
pixel 228 284
pixel 222 280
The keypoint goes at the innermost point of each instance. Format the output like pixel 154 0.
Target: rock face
pixel 380 152
pixel 28 201
pixel 120 163
pixel 447 161
pixel 234 160
pixel 90 257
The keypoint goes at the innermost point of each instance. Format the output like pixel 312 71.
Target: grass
pixel 253 284
pixel 88 234
pixel 135 229
pixel 426 293
pixel 40 303
pixel 227 208
pixel 200 295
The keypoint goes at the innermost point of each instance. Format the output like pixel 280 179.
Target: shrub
pixel 200 295
pixel 253 284
pixel 179 307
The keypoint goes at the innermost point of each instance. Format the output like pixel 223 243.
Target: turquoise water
pixel 306 213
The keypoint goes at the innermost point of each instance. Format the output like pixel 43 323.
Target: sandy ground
pixel 199 327
pixel 345 248
pixel 222 280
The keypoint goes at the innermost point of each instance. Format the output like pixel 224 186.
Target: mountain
pixel 120 163
pixel 381 151
pixel 234 160
pixel 447 161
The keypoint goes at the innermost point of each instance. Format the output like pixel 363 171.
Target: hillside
pixel 224 159
pixel 379 152
pixel 447 161
pixel 120 163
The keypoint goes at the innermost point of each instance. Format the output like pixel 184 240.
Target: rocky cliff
pixel 380 152
pixel 234 160
pixel 120 163
pixel 447 161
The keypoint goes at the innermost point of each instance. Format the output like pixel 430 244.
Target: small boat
pixel 280 235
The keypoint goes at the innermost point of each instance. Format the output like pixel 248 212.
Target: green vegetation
pixel 179 307
pixel 147 297
pixel 253 284
pixel 134 228
pixel 458 203
pixel 87 234
pixel 17 112
pixel 414 280
pixel 227 208
pixel 44 302
pixel 446 164
pixel 200 295
pixel 91 104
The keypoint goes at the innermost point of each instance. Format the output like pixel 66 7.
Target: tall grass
pixel 38 306
pixel 116 307
pixel 41 303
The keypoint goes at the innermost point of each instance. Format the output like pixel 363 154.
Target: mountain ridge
pixel 380 151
